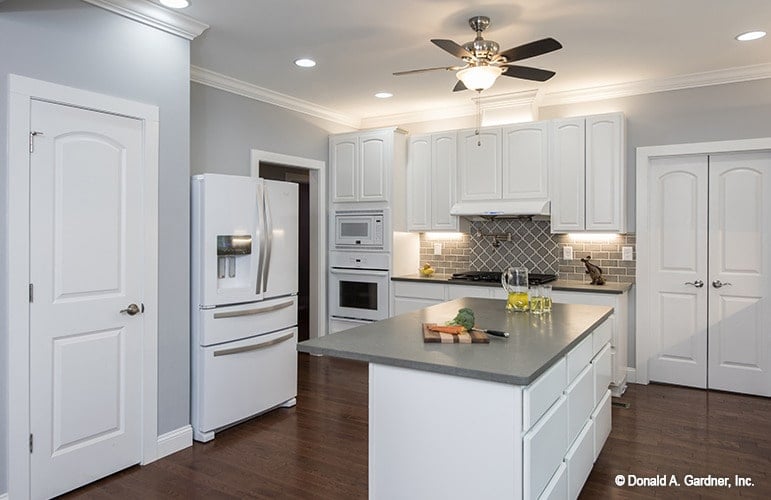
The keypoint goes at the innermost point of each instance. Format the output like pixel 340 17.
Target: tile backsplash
pixel 528 243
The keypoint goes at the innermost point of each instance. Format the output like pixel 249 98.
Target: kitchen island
pixel 520 417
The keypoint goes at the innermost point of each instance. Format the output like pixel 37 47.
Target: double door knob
pixel 699 283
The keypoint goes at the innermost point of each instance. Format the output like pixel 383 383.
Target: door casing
pixel 22 91
pixel 643 344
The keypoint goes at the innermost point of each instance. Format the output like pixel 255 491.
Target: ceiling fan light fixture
pixel 750 35
pixel 479 77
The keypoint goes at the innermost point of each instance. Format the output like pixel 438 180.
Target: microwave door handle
pixel 269 237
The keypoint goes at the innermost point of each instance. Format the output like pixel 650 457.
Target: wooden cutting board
pixel 472 337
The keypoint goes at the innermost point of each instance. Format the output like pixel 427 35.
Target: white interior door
pixel 740 272
pixel 86 236
pixel 678 267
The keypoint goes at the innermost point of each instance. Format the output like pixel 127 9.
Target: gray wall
pixel 72 43
pixel 225 127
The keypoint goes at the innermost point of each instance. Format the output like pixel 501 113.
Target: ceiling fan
pixel 483 62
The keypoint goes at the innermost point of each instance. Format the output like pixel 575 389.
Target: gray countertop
pixel 536 341
pixel 565 285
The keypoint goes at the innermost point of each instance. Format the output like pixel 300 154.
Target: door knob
pixel 697 283
pixel 131 310
pixel 719 284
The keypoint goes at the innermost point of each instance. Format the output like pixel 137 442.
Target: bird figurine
pixel 594 271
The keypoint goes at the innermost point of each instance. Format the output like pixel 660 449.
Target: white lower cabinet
pixel 580 396
pixel 601 370
pixel 579 460
pixel 601 424
pixel 557 489
pixel 544 449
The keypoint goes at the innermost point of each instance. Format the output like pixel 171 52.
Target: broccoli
pixel 465 318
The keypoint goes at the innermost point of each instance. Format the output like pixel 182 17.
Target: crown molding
pixel 154 15
pixel 235 86
pixel 705 79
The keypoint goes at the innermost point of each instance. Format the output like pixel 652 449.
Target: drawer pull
pixel 249 312
pixel 247 348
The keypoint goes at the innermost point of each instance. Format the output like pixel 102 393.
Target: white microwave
pixel 359 229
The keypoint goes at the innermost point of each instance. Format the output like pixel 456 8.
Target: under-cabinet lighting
pixel 443 236
pixel 593 236
pixel 750 35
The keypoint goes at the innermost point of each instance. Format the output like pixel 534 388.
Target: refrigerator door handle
pixel 250 312
pixel 261 230
pixel 237 350
pixel 269 238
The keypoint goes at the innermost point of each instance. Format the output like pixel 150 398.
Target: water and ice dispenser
pixel 233 251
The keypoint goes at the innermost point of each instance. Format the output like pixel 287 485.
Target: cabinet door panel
pixel 525 166
pixel 567 175
pixel 343 159
pixel 443 171
pixel 605 179
pixel 373 168
pixel 419 185
pixel 479 164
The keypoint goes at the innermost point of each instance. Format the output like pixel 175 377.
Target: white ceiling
pixel 359 43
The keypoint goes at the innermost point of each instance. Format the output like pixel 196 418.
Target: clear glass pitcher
pixel 514 281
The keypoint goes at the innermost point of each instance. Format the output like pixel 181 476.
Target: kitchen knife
pixel 497 333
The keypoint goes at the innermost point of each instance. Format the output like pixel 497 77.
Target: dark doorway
pixel 302 178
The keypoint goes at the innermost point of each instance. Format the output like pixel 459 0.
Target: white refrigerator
pixel 244 299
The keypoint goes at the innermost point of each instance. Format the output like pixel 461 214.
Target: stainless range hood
pixel 484 210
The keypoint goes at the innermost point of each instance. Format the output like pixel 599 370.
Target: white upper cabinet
pixel 361 165
pixel 588 174
pixel 525 171
pixel 479 163
pixel 431 171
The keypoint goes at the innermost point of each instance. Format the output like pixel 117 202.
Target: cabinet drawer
pixel 544 448
pixel 601 419
pixel 580 397
pixel 602 335
pixel 404 305
pixel 557 489
pixel 419 290
pixel 579 358
pixel 541 394
pixel 458 291
pixel 602 372
pixel 579 460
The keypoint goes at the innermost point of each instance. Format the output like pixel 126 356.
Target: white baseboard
pixel 631 375
pixel 172 442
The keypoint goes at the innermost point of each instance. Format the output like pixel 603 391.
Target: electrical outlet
pixel 567 253
pixel 437 249
pixel 626 253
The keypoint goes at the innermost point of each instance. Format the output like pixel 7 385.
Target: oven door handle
pixel 361 272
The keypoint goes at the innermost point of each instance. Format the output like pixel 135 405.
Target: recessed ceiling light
pixel 383 95
pixel 176 4
pixel 305 63
pixel 750 35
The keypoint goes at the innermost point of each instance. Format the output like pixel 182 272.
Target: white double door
pixel 710 220
pixel 86 266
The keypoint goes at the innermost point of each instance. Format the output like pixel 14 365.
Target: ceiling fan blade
pixel 411 71
pixel 459 86
pixel 531 49
pixel 452 47
pixel 527 73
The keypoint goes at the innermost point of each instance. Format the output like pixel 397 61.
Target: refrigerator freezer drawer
pixel 237 380
pixel 226 324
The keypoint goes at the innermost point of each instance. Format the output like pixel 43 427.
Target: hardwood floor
pixel 319 448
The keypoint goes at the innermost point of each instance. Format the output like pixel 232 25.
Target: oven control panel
pixel 360 260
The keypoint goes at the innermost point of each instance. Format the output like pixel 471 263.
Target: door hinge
pixel 31 293
pixel 30 443
pixel 32 140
